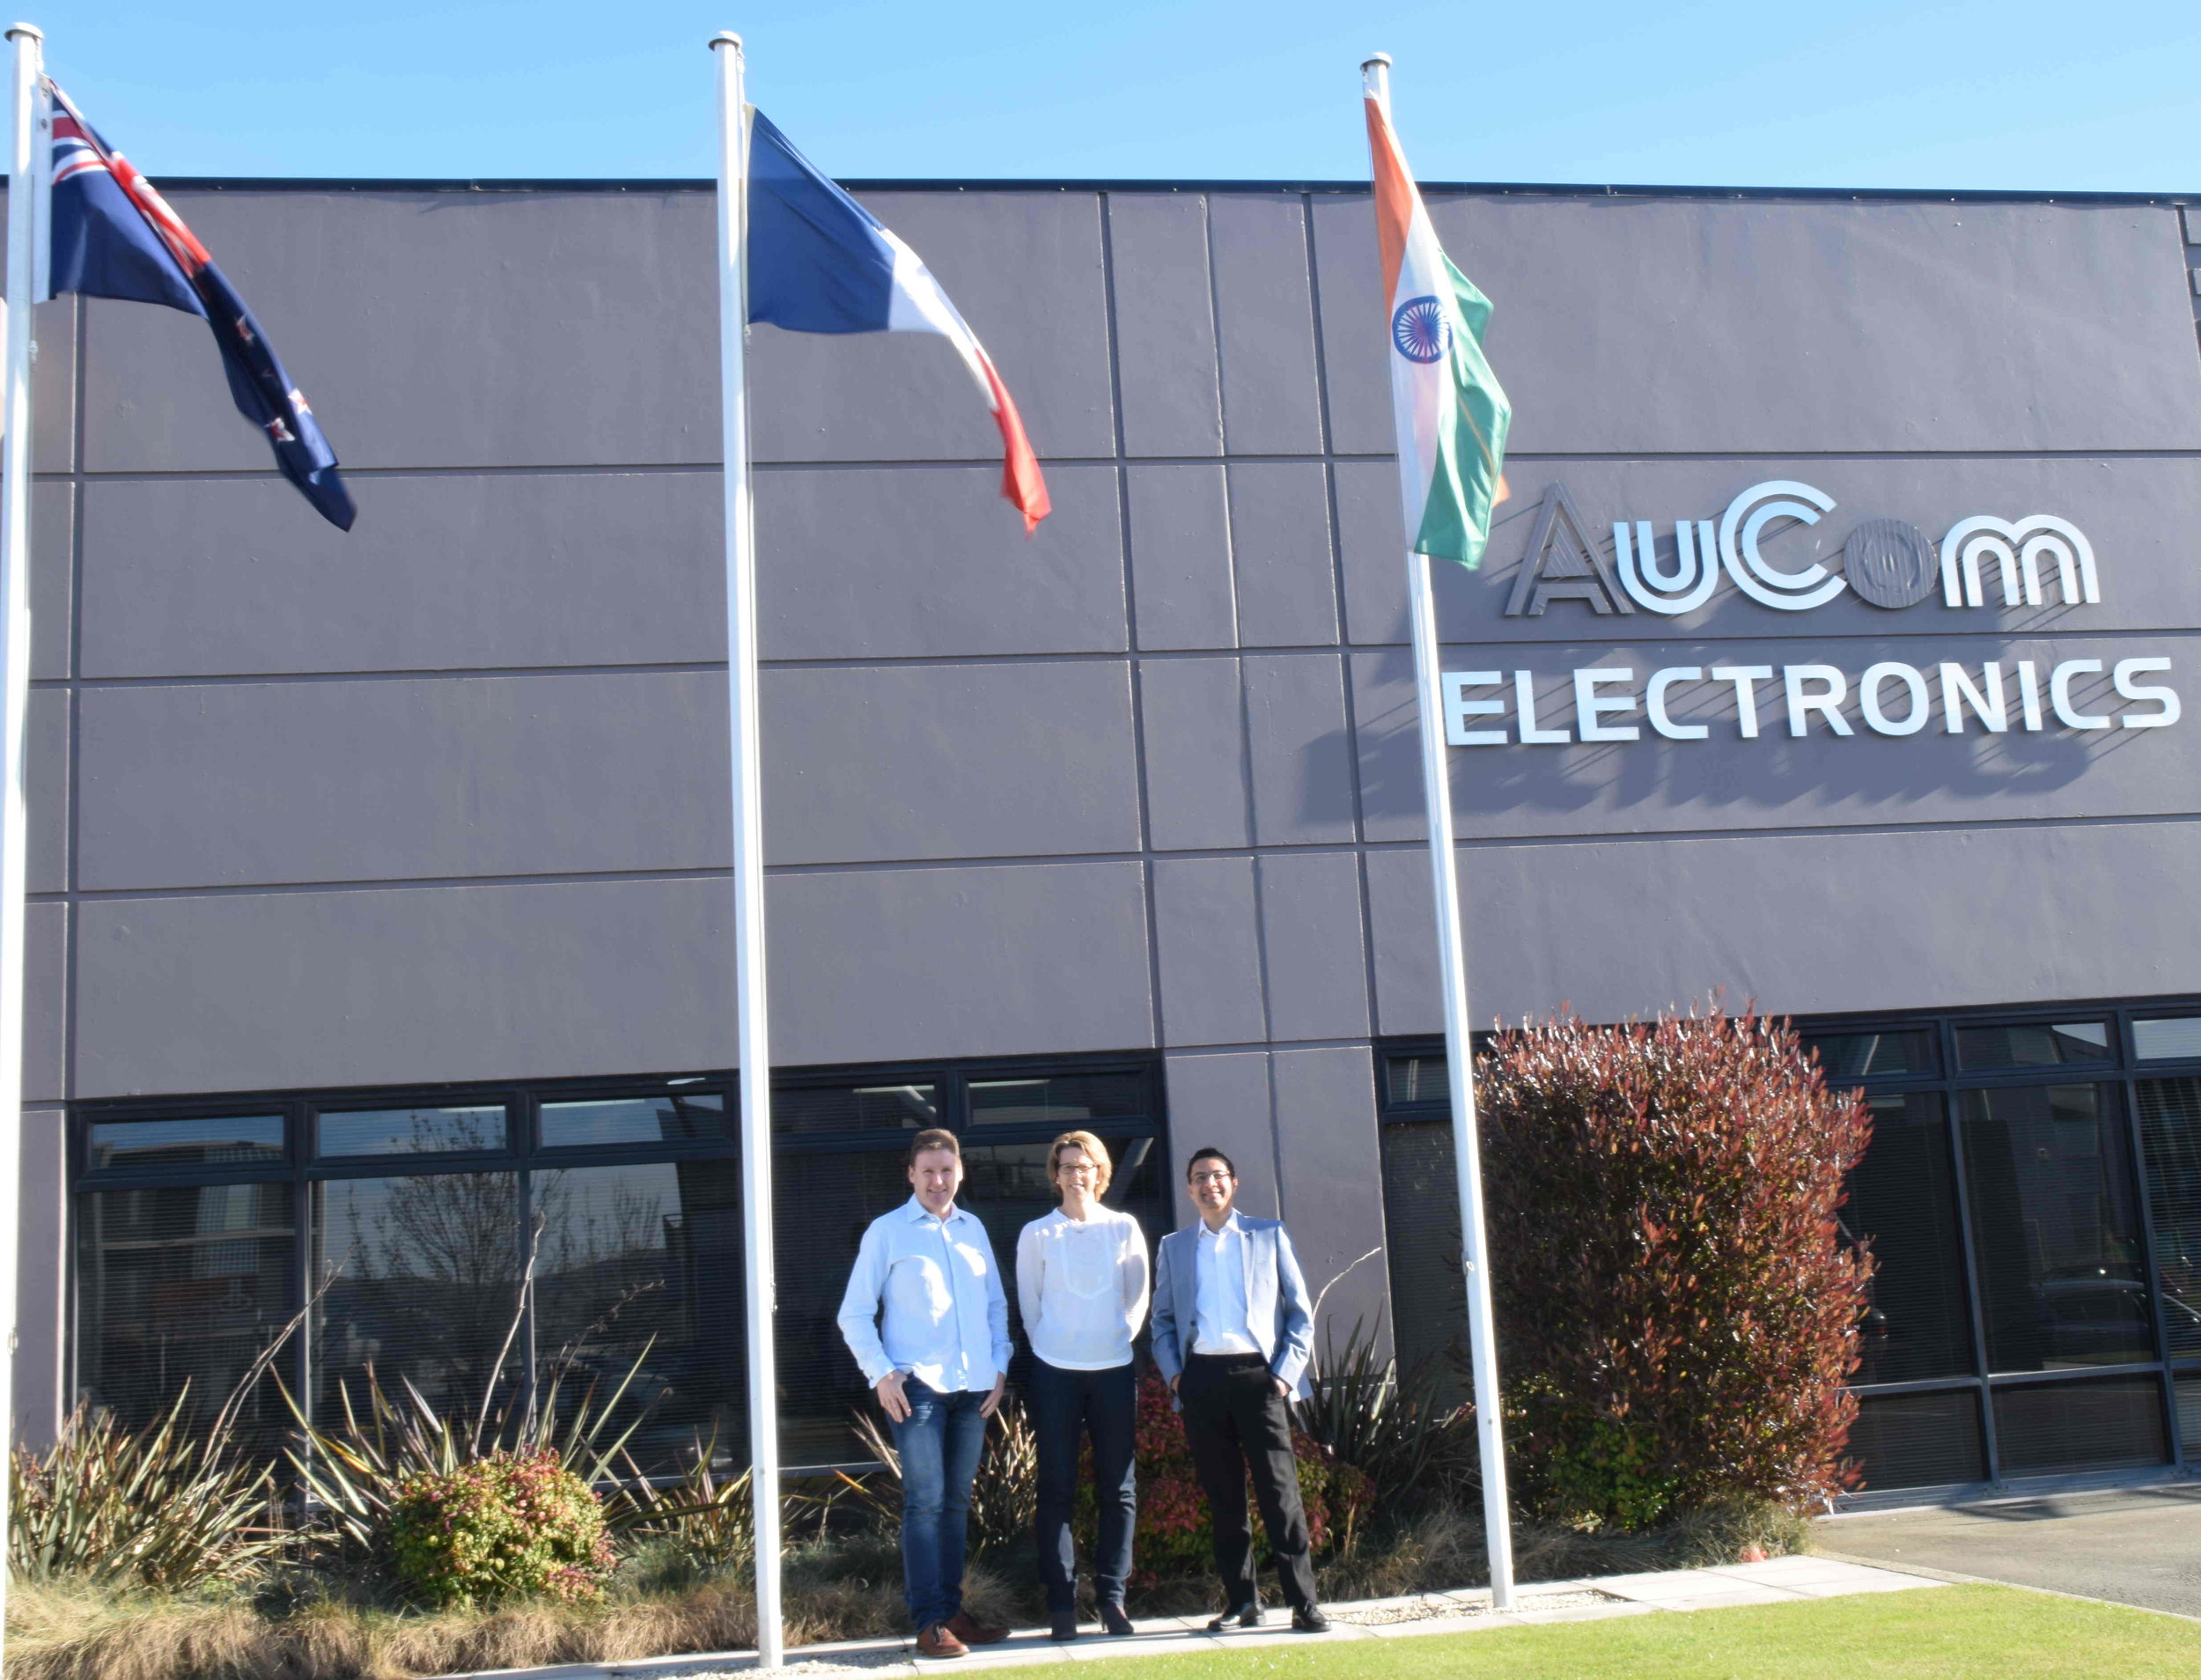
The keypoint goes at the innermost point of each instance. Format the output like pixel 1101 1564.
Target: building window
pixel 411 1221
pixel 2033 1194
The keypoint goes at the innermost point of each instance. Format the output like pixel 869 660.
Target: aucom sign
pixel 1981 560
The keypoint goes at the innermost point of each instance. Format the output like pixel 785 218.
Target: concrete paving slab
pixel 1466 1611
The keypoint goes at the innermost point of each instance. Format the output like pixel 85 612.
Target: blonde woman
pixel 1081 1285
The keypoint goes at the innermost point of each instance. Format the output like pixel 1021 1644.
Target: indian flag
pixel 1452 412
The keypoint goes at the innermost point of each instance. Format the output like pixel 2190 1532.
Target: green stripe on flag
pixel 1471 440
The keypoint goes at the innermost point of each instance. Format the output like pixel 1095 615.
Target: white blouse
pixel 1081 1285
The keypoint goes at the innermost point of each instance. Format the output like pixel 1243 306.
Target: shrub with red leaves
pixel 1174 1532
pixel 1676 1313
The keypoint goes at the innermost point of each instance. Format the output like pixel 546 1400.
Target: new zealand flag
pixel 115 237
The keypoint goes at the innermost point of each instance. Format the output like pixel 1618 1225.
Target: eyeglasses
pixel 1085 1167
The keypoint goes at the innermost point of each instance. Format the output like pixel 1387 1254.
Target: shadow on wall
pixel 1725 771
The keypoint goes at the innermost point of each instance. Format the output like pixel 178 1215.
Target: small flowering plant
pixel 510 1525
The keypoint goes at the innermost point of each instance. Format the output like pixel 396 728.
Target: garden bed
pixel 301 1625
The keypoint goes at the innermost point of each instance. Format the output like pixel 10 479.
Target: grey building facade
pixel 380 889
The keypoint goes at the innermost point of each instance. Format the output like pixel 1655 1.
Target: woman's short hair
pixel 1095 1150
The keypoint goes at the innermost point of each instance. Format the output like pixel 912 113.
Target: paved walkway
pixel 1783 1581
pixel 2134 1546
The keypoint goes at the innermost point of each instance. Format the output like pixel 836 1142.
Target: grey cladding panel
pixel 46 992
pixel 2139 516
pixel 1302 757
pixel 1164 324
pixel 1025 271
pixel 1778 780
pixel 1884 921
pixel 441 573
pixel 41 1277
pixel 884 965
pixel 217 784
pixel 46 792
pixel 1333 1192
pixel 245 991
pixel 1222 1101
pixel 1696 325
pixel 948 761
pixel 1207 938
pixel 1265 324
pixel 432 329
pixel 1313 945
pixel 897 563
pixel 53 565
pixel 1372 546
pixel 1194 743
pixel 1181 557
pixel 1287 588
pixel 53 383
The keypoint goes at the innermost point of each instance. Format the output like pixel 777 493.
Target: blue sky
pixel 2013 94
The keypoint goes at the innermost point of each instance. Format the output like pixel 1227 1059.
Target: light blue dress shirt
pixel 945 1318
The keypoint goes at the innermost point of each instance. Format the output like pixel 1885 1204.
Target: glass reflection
pixel 1902 1200
pixel 427 1285
pixel 674 1118
pixel 2036 1045
pixel 858 1108
pixel 643 1263
pixel 195 1142
pixel 2060 1277
pixel 1064 1100
pixel 2170 1136
pixel 182 1284
pixel 411 1131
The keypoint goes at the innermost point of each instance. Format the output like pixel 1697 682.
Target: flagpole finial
pixel 30 29
pixel 725 38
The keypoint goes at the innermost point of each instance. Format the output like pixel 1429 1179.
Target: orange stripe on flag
pixel 1394 200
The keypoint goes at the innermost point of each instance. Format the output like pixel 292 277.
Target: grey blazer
pixel 1277 1309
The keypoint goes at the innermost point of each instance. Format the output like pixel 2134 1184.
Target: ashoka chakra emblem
pixel 1420 331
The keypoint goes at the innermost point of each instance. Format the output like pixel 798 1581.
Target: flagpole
pixel 15 686
pixel 1444 869
pixel 748 843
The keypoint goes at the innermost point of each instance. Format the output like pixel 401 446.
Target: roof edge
pixel 1448 188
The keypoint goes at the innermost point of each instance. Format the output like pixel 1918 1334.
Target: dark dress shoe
pixel 973 1633
pixel 1244 1615
pixel 1308 1618
pixel 1114 1621
pixel 1062 1625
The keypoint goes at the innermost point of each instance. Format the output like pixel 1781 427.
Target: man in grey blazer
pixel 1233 1333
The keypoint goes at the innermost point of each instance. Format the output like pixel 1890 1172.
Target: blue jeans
pixel 1066 1406
pixel 939 1443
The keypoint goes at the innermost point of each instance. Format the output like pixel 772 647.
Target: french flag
pixel 820 262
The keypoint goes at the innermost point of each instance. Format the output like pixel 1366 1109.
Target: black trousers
pixel 1066 1407
pixel 1236 1422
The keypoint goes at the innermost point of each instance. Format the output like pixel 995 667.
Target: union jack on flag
pixel 112 236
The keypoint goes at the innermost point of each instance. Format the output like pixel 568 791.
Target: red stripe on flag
pixel 1021 485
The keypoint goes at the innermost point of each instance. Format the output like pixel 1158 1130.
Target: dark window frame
pixel 2119 1073
pixel 525 1156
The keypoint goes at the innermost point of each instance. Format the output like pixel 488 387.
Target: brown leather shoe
pixel 938 1641
pixel 962 1627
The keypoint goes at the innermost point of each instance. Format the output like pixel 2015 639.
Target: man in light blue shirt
pixel 928 1320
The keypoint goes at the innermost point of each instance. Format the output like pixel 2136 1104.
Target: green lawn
pixel 1972 1631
